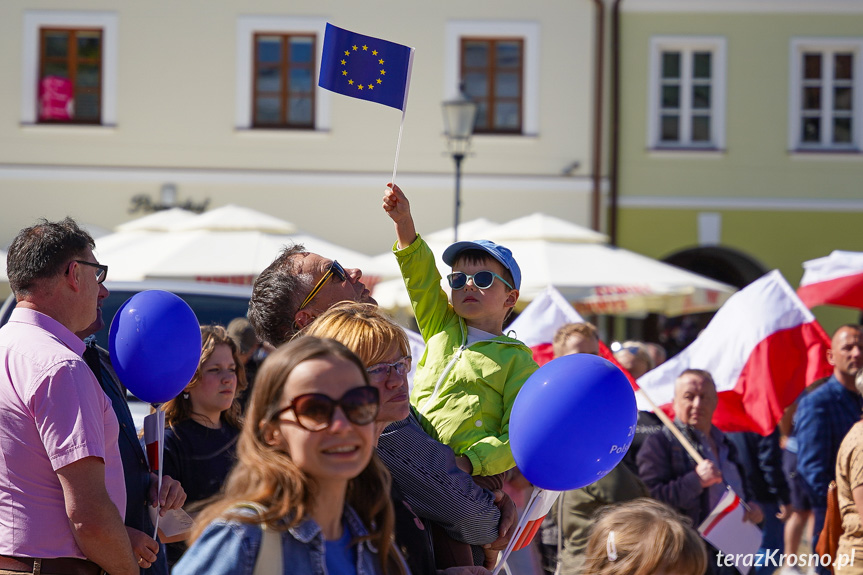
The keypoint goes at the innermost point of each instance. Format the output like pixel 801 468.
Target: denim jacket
pixel 231 548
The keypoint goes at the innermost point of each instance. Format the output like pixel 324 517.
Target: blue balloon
pixel 155 345
pixel 572 422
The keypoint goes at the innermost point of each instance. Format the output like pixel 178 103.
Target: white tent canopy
pixel 233 218
pixel 540 226
pixel 470 230
pixel 223 244
pixel 385 266
pixel 597 278
pixel 161 221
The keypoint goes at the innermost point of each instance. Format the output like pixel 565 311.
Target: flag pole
pixel 398 147
pixel 522 522
pixel 404 111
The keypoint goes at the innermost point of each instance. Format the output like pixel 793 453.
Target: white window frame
pixel 247 27
pixel 529 31
pixel 824 46
pixel 687 45
pixel 36 19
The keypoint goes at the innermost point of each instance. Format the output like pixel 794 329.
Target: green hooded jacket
pixel 463 393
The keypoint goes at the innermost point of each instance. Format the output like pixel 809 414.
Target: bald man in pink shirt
pixel 62 493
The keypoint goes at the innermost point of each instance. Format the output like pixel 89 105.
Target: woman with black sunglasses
pixel 439 509
pixel 306 471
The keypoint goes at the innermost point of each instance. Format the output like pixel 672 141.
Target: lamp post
pixel 459 116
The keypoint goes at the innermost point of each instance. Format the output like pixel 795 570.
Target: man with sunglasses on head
pixel 62 492
pixel 296 288
pixel 470 373
pixel 289 295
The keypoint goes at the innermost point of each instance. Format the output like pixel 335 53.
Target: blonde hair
pixel 637 349
pixel 267 475
pixel 643 537
pixel 180 408
pixel 584 328
pixel 362 328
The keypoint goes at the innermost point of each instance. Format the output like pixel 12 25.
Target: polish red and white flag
pixel 726 530
pixel 539 321
pixel 534 514
pixel 536 325
pixel 836 279
pixel 762 348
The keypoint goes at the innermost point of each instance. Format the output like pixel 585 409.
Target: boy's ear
pixel 511 298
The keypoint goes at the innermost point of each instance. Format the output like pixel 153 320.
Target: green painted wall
pixel 756 161
pixel 777 240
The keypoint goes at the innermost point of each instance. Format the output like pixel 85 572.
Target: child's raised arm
pixel 398 208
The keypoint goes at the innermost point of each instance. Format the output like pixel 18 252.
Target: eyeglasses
pixel 101 270
pixel 315 411
pixel 335 269
pixel 482 280
pixel 381 371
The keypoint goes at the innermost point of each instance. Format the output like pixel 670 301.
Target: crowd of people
pixel 321 458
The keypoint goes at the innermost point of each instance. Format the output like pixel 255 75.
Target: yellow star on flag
pixel 365 47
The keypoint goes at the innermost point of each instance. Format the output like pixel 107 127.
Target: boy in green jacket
pixel 470 374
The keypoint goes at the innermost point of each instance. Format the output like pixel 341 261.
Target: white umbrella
pixel 235 218
pixel 597 278
pixel 470 230
pixel 161 221
pixel 130 255
pixel 223 246
pixel 539 226
pixel 203 254
pixel 385 266
pixel 606 280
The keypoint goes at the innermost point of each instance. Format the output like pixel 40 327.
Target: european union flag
pixel 364 67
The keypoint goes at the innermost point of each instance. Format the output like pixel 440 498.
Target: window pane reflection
pixel 701 129
pixel 670 128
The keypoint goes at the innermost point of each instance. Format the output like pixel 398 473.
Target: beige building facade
pixel 171 110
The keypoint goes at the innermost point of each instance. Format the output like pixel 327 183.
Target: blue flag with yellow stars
pixel 365 67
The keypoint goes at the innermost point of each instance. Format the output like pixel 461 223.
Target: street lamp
pixel 459 116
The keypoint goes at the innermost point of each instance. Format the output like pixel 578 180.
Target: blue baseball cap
pixel 498 252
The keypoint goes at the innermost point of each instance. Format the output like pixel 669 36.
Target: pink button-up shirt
pixel 52 413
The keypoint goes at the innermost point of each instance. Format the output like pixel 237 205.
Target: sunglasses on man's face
pixel 335 269
pixel 101 270
pixel 482 280
pixel 315 411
